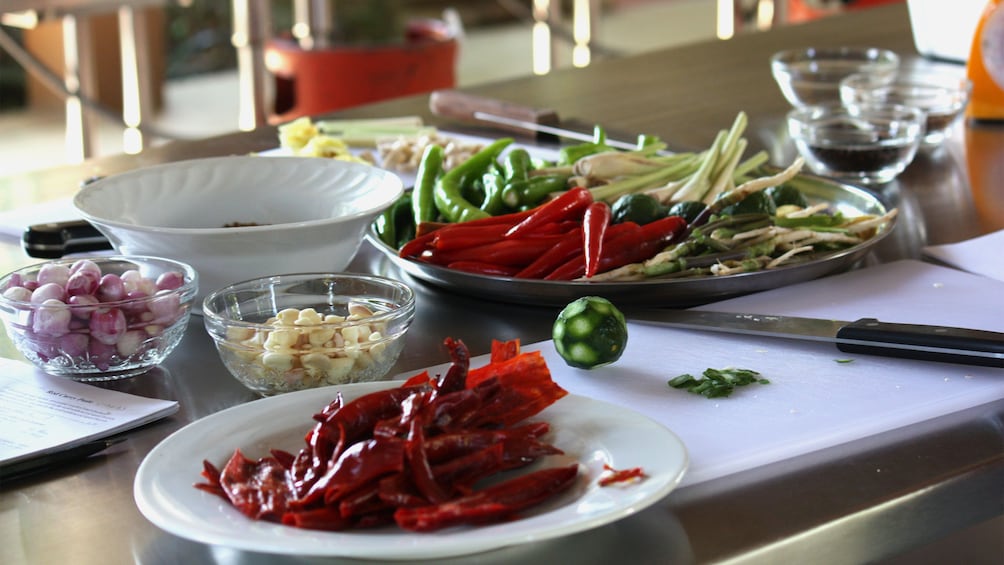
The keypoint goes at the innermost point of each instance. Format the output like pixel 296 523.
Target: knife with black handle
pixel 868 335
pixel 58 239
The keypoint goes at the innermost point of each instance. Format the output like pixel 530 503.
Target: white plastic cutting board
pixel 813 401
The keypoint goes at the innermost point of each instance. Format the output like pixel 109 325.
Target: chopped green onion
pixel 717 383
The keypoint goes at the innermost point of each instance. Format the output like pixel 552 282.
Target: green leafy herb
pixel 717 383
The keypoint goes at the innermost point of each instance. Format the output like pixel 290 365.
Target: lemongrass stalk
pixel 744 168
pixel 699 182
pixel 755 185
pixel 612 191
pixel 732 140
pixel 726 172
pixel 610 165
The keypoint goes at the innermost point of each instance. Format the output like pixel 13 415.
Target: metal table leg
pixel 137 93
pixel 251 31
pixel 79 76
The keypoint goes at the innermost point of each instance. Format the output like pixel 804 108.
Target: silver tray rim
pixel 668 293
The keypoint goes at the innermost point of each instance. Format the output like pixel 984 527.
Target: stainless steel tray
pixel 672 292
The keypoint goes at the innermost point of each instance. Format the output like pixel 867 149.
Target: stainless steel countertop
pixel 927 493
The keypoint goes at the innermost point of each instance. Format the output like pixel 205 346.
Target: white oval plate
pixel 591 432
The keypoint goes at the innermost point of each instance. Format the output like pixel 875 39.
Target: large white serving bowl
pixel 310 214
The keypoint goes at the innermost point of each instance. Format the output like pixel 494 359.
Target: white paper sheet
pixel 982 255
pixel 41 413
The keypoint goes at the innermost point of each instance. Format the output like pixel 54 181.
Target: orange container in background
pixel 985 66
pixel 315 81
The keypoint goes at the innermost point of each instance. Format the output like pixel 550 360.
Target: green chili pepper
pixel 448 193
pixel 493 183
pixel 396 226
pixel 530 192
pixel 644 140
pixel 404 221
pixel 430 168
pixel 516 165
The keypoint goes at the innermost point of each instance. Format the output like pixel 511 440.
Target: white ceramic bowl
pixel 311 214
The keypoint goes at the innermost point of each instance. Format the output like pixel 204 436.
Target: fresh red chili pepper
pixel 464 235
pixel 415 247
pixel 655 236
pixel 558 254
pixel 617 235
pixel 625 248
pixel 594 226
pixel 569 204
pixel 507 252
pixel 482 268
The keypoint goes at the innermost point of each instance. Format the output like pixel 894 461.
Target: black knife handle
pixel 929 343
pixel 57 239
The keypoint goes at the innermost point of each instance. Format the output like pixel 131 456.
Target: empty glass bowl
pixel 868 143
pixel 941 95
pixel 812 76
pixel 293 332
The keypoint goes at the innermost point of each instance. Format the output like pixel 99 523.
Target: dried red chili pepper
pixel 460 473
pixel 362 462
pixel 430 442
pixel 491 504
pixel 258 489
pixel 212 476
pixel 456 376
pixel 504 350
pixel 327 518
pixel 594 226
pixel 421 471
pixel 358 417
pixel 613 476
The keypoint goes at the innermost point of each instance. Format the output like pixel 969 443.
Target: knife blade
pixel 509 116
pixel 867 335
